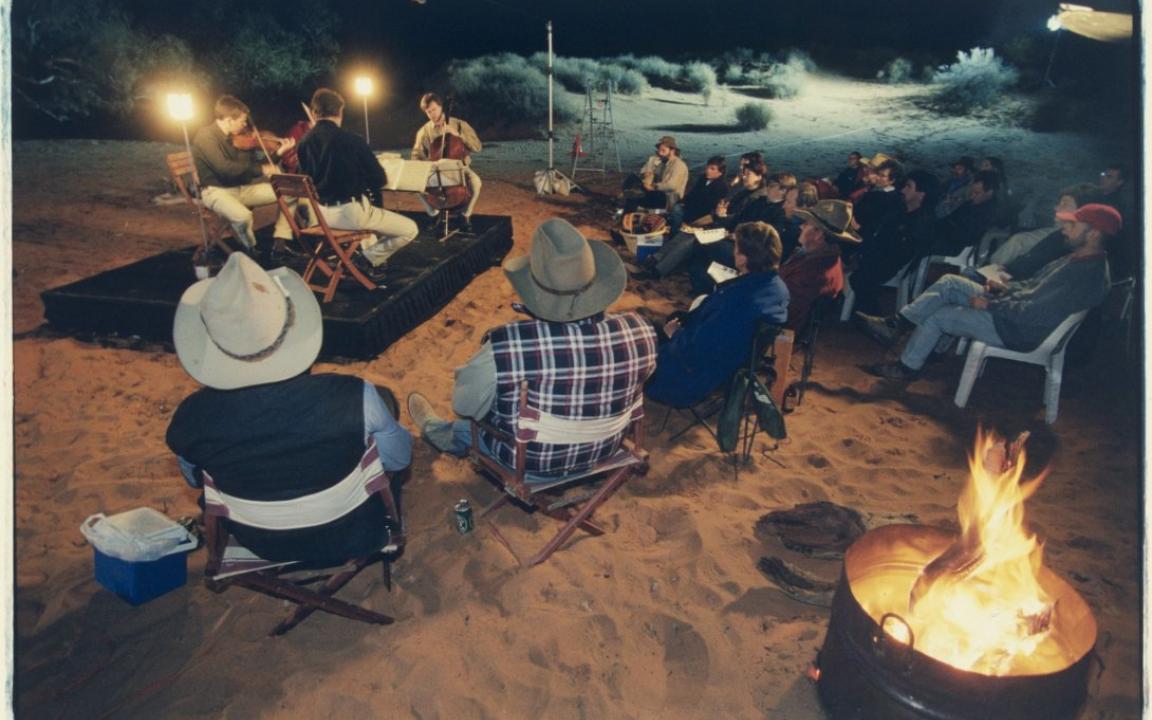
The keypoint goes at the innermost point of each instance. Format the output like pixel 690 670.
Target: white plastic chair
pixel 901 281
pixel 961 260
pixel 1050 354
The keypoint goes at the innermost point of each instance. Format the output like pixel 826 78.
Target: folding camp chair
pixel 737 403
pixel 806 340
pixel 187 181
pixel 535 493
pixel 331 249
pixel 230 563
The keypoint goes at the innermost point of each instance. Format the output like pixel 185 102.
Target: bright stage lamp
pixel 180 107
pixel 1054 23
pixel 364 86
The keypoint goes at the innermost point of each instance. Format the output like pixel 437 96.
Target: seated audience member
pixel 955 191
pixel 849 180
pixel 349 181
pixel 661 182
pixel 966 225
pixel 580 362
pixel 747 204
pixel 1017 315
pixel 1116 190
pixel 1048 241
pixel 814 270
pixel 776 188
pixel 747 159
pixel 263 428
pixel 802 196
pixel 703 197
pixel 867 168
pixel 894 243
pixel 882 204
pixel 706 345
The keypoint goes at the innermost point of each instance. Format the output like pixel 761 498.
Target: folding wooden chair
pixel 187 181
pixel 331 249
pixel 230 563
pixel 535 493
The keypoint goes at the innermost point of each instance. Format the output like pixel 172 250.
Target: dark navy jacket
pixel 715 338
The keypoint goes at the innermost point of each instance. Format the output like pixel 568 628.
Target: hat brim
pixel 1065 216
pixel 208 365
pixel 844 236
pixel 611 279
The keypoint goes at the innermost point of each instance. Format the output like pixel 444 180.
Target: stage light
pixel 1054 23
pixel 363 88
pixel 180 107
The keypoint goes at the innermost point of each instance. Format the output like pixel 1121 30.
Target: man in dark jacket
pixel 1016 315
pixel 702 198
pixel 710 342
pixel 349 180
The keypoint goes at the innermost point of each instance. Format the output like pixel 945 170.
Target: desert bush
pixel 897 71
pixel 700 78
pixel 778 76
pixel 582 74
pixel 656 70
pixel 501 88
pixel 753 116
pixel 977 79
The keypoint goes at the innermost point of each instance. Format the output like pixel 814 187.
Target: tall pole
pixel 551 134
pixel 367 136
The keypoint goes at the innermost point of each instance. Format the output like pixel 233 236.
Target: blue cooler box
pixel 644 245
pixel 139 582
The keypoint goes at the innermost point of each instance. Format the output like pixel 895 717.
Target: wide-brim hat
pixel 247 326
pixel 875 161
pixel 566 277
pixel 667 140
pixel 835 216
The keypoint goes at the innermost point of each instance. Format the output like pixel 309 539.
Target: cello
pixel 451 147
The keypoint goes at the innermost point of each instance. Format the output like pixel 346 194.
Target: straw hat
pixel 565 277
pixel 247 326
pixel 835 216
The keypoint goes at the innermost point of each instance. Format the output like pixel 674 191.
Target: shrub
pixel 700 78
pixel 582 74
pixel 977 79
pixel 498 87
pixel 656 70
pixel 897 72
pixel 753 116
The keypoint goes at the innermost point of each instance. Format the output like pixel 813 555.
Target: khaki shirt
pixel 430 134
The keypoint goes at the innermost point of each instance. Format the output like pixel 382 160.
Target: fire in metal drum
pixel 865 674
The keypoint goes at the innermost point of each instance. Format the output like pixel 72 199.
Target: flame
pixel 979 605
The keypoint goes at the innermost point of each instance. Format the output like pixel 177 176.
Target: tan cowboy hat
pixel 565 277
pixel 835 216
pixel 876 160
pixel 247 326
pixel 667 140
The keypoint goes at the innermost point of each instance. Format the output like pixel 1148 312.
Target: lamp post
pixel 181 110
pixel 1055 25
pixel 364 89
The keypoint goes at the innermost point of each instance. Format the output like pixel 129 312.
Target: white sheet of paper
pixel 994 272
pixel 707 237
pixel 720 273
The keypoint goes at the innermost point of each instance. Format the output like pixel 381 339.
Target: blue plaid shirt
pixel 591 368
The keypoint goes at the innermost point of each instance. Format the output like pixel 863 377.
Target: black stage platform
pixel 139 300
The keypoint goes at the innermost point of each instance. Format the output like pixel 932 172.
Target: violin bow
pixel 271 158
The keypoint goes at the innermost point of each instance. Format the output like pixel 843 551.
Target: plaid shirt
pixel 592 368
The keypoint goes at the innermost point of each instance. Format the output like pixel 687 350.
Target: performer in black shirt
pixel 349 179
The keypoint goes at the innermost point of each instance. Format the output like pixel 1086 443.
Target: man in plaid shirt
pixel 579 362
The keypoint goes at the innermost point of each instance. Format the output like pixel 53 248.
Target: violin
pixel 249 139
pixel 450 147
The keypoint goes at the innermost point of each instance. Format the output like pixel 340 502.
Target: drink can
pixel 464 523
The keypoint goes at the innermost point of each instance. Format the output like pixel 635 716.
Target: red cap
pixel 1103 218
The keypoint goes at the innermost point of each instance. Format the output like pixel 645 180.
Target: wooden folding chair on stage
pixel 187 181
pixel 331 249
pixel 230 563
pixel 536 493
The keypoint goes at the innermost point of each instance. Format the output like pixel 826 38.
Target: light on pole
pixel 364 89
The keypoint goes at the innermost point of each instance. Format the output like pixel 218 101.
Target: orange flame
pixel 979 605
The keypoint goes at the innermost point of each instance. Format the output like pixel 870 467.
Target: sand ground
pixel 666 616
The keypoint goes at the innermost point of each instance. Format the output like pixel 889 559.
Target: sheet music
pixel 416 175
pixel 707 237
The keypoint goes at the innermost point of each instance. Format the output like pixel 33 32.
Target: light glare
pixel 364 86
pixel 180 106
pixel 1054 23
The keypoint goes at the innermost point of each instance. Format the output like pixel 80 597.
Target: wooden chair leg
pixel 310 601
pixel 611 485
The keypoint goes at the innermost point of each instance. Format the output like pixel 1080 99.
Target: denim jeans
pixel 944 309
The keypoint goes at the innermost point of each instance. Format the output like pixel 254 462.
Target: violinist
pixel 435 135
pixel 232 178
pixel 349 180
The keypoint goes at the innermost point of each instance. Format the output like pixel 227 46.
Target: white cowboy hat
pixel 565 277
pixel 247 326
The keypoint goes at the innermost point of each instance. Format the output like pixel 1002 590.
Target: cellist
pixel 233 180
pixel 431 138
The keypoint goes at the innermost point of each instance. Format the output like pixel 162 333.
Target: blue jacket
pixel 715 338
